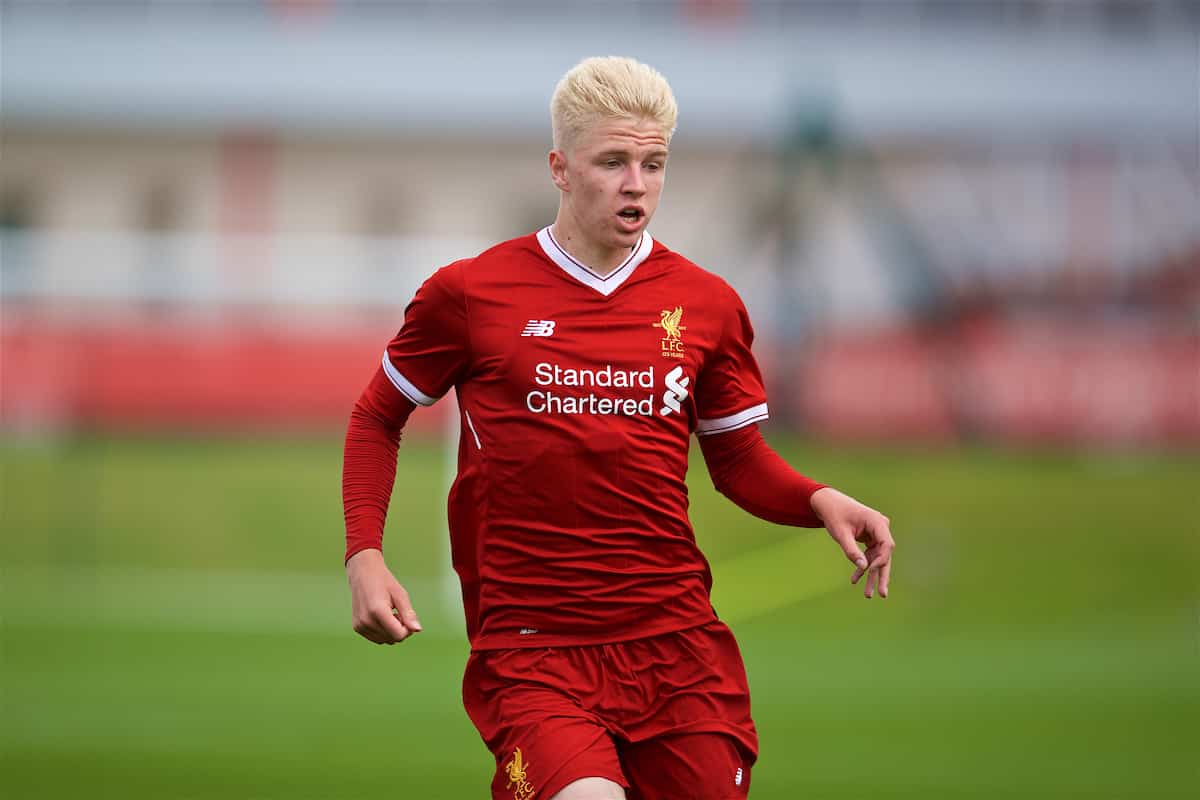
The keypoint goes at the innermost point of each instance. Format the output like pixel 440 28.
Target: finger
pixel 879 556
pixel 885 574
pixel 858 573
pixel 881 533
pixel 370 633
pixel 390 626
pixel 844 536
pixel 404 609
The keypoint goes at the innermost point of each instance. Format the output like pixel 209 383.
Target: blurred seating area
pixel 952 221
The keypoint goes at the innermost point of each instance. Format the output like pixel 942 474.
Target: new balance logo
pixel 676 391
pixel 737 777
pixel 539 327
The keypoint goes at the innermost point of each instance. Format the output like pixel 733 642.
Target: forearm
pixel 745 469
pixel 369 465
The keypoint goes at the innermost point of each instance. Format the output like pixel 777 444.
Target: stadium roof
pixel 424 74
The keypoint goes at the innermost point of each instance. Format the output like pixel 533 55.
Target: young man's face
pixel 612 177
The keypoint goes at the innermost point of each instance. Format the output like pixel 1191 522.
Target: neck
pixel 596 257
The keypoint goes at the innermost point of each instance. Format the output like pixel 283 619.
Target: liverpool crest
pixel 672 341
pixel 518 779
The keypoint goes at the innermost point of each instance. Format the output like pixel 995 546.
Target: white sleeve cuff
pixel 404 385
pixel 707 427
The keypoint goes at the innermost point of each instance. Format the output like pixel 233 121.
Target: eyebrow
pixel 653 154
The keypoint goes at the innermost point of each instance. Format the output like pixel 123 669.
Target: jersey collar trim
pixel 605 285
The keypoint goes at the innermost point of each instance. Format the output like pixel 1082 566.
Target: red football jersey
pixel 577 396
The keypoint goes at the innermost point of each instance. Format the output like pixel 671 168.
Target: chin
pixel 630 239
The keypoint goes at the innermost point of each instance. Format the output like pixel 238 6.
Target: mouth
pixel 631 214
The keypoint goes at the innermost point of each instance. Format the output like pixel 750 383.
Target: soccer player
pixel 584 356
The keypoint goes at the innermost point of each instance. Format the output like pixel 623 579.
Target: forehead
pixel 623 133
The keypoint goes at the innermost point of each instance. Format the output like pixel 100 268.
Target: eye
pixel 654 166
pixel 612 163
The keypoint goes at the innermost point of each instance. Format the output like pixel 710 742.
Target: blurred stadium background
pixel 968 233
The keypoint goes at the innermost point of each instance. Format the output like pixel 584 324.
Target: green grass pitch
pixel 176 625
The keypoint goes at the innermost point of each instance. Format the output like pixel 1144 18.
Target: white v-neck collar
pixel 605 285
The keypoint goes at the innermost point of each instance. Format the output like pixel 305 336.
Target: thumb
pixel 844 536
pixel 402 604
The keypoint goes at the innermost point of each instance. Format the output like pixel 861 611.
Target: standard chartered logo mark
pixel 605 390
pixel 676 391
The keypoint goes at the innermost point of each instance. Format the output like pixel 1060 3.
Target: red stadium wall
pixel 1029 380
pixel 1042 381
pixel 193 376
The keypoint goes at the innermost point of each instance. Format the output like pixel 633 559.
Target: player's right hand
pixel 381 609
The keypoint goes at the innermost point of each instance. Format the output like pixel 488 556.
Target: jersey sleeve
pixel 729 392
pixel 431 351
pixel 745 469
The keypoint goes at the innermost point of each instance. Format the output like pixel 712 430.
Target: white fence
pixel 205 270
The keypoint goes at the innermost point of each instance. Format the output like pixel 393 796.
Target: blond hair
pixel 607 87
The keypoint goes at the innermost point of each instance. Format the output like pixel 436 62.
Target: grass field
pixel 176 625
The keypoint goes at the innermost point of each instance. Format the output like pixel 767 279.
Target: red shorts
pixel 667 717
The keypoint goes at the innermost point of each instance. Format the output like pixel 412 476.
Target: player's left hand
pixel 850 522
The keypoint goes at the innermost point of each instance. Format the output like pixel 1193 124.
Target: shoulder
pixel 505 255
pixel 497 259
pixel 700 281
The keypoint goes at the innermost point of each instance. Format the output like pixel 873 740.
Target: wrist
pixel 823 500
pixel 363 556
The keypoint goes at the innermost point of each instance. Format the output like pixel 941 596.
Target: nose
pixel 634 183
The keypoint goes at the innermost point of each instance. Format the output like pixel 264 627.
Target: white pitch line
pixel 148 598
pixel 187 599
pixel 761 581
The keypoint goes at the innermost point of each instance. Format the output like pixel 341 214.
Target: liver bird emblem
pixel 518 779
pixel 670 322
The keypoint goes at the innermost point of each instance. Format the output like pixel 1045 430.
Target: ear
pixel 558 170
